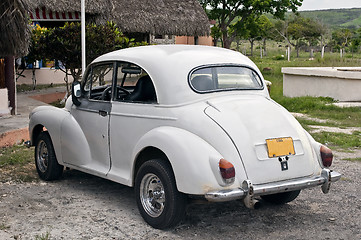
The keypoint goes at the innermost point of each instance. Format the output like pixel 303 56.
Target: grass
pixel 341 141
pixel 58 104
pixel 4 226
pixel 353 159
pixel 17 164
pixel 26 87
pixel 45 236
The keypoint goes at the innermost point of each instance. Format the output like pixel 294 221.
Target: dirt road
pixel 81 206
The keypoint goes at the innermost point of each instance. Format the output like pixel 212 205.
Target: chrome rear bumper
pixel 247 189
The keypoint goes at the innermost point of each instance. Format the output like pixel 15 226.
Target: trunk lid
pixel 249 121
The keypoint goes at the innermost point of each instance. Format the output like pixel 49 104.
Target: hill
pixel 336 18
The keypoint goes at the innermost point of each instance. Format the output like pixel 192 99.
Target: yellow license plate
pixel 278 147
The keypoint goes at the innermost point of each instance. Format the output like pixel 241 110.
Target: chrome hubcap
pixel 42 156
pixel 152 195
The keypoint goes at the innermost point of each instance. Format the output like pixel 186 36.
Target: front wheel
pixel 158 200
pixel 46 164
pixel 281 198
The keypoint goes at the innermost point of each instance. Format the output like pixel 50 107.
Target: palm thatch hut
pixel 14 35
pixel 14 30
pixel 157 17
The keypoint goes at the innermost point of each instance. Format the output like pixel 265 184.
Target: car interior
pixel 133 84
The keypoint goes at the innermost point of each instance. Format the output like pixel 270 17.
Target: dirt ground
pixel 81 206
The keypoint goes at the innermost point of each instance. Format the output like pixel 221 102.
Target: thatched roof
pixel 14 29
pixel 172 17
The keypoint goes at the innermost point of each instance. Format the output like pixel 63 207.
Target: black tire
pixel 281 198
pixel 158 200
pixel 46 164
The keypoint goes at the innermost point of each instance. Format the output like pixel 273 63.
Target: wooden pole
pixel 83 54
pixel 10 82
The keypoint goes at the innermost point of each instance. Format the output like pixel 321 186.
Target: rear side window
pixel 221 78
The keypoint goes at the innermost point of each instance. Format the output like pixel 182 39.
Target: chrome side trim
pixel 324 179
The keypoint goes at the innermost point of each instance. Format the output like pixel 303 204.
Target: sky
pixel 329 4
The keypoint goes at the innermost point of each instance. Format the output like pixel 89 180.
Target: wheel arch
pixel 48 118
pixel 35 133
pixel 147 154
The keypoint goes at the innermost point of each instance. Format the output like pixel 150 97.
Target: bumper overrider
pixel 248 191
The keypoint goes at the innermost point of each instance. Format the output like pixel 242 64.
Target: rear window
pixel 221 78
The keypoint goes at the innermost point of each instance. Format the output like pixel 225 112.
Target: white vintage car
pixel 177 122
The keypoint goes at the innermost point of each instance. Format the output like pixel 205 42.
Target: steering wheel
pixel 107 92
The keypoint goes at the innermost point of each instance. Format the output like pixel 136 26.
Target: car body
pixel 176 121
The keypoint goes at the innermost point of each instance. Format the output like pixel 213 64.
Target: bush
pixel 279 57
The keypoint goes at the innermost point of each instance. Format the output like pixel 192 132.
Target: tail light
pixel 227 170
pixel 326 156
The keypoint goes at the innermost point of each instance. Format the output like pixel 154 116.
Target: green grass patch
pixel 3 226
pixel 353 159
pixel 15 155
pixel 58 103
pixel 44 236
pixel 17 164
pixel 29 87
pixel 339 140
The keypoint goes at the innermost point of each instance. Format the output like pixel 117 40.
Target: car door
pixel 92 116
pixel 134 112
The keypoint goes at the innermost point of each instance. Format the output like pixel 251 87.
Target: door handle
pixel 103 113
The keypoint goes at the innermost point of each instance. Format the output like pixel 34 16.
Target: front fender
pixel 51 118
pixel 193 160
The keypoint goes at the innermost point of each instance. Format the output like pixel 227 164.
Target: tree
pixel 215 34
pixel 341 38
pixel 299 30
pixel 64 44
pixel 256 28
pixel 35 51
pixel 227 11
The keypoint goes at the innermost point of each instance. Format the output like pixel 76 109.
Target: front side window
pixel 220 78
pixel 98 82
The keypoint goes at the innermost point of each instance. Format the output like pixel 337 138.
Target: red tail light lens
pixel 326 156
pixel 227 171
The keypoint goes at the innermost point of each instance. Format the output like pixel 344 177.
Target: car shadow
pixel 199 216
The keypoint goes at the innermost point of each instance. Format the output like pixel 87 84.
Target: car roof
pixel 170 65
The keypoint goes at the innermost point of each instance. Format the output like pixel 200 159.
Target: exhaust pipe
pixel 249 200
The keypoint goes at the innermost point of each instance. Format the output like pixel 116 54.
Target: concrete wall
pixel 4 102
pixel 343 84
pixel 43 76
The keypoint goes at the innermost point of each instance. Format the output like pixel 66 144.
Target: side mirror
pixel 76 92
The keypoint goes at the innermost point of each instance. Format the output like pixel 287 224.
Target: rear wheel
pixel 281 198
pixel 46 164
pixel 158 200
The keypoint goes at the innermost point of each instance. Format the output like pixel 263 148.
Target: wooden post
pixel 10 82
pixel 2 73
pixel 323 51
pixel 288 53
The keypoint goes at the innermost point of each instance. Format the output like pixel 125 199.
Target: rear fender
pixel 191 158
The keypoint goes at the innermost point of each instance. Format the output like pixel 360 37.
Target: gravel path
pixel 81 206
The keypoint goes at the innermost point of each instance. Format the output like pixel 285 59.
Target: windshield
pixel 219 78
